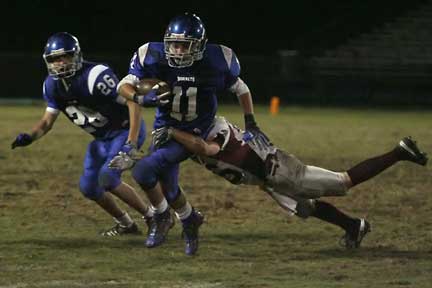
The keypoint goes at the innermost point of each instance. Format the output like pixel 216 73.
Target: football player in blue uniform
pixel 86 93
pixel 195 71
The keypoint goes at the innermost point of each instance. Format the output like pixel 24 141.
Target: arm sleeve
pixel 52 106
pixel 102 81
pixel 142 63
pixel 233 67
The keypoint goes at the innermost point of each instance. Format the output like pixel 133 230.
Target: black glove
pixel 253 134
pixel 152 99
pixel 161 136
pixel 23 139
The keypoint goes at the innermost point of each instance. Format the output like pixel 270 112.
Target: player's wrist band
pixel 249 120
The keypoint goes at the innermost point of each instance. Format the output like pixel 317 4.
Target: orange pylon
pixel 274 105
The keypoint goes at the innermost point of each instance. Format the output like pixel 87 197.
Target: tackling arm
pixel 195 144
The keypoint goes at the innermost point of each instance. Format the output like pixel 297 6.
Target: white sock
pixel 184 211
pixel 160 208
pixel 125 220
pixel 149 213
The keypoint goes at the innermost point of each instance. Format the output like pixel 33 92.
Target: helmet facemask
pixel 191 50
pixel 72 62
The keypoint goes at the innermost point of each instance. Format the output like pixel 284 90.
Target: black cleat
pixel 119 230
pixel 353 240
pixel 408 148
pixel 190 232
pixel 160 224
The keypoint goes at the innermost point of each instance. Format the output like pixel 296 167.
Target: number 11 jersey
pixel 193 102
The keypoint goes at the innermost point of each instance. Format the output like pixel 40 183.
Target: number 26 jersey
pixel 89 99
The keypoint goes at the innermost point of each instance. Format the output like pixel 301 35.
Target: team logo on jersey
pixel 186 79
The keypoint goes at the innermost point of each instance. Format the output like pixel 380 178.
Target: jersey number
pixel 86 118
pixel 106 86
pixel 191 94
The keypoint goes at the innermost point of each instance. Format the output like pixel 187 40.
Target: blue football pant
pixel 161 165
pixel 97 177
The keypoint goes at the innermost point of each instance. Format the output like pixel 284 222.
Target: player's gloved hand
pixel 126 157
pixel 23 139
pixel 152 98
pixel 122 162
pixel 161 136
pixel 254 135
pixel 130 149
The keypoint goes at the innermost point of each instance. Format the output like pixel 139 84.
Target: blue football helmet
pixel 185 40
pixel 60 45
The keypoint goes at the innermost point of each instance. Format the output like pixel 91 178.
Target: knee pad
pixel 90 188
pixel 109 178
pixel 144 173
pixel 305 208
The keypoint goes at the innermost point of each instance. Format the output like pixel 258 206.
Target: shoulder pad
pixel 150 53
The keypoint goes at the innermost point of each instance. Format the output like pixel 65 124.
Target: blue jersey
pixel 194 101
pixel 89 99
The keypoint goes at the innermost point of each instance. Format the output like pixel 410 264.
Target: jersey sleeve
pixel 233 66
pixel 47 90
pixel 141 63
pixel 102 81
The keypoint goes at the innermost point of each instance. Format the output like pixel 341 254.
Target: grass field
pixel 49 232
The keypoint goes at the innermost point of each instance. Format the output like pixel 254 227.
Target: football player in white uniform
pixel 295 186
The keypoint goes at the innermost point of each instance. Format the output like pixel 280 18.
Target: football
pixel 146 84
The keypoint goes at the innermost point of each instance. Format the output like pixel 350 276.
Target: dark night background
pixel 110 32
pixel 248 28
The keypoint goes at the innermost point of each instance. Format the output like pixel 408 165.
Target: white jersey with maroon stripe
pixel 285 178
pixel 230 132
pixel 237 160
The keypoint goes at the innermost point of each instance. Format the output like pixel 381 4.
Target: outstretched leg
pixel 406 150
